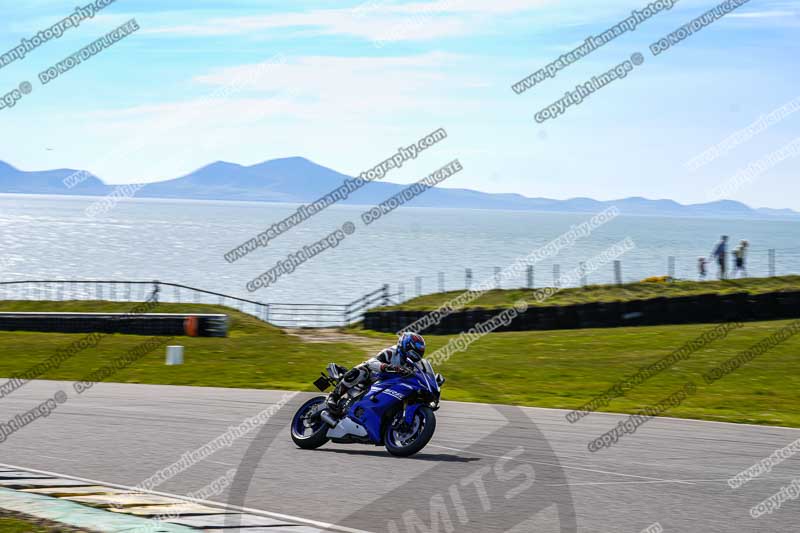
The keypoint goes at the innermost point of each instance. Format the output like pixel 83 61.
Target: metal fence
pixel 768 262
pixel 761 263
pixel 279 314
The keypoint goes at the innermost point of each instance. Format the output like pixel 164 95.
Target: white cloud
pixel 320 87
pixel 373 19
pixel 299 97
pixel 329 86
pixel 763 14
pixel 343 88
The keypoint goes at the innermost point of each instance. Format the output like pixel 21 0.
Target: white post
pixel 174 355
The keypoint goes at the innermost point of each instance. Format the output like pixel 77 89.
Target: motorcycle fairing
pixel 383 395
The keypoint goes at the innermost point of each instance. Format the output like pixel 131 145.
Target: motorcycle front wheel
pixel 308 429
pixel 403 442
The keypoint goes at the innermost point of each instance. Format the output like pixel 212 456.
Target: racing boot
pixel 332 403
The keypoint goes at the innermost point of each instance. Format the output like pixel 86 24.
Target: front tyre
pixel 403 442
pixel 308 429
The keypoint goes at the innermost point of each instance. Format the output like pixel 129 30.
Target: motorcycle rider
pixel 410 348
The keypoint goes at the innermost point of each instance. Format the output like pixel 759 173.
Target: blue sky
pixel 345 83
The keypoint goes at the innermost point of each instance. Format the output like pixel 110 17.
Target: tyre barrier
pixel 695 309
pixel 168 324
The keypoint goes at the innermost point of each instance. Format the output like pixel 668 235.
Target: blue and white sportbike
pixel 396 411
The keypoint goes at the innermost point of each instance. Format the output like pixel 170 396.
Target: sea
pixel 413 250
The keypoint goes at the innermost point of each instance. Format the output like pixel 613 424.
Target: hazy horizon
pixel 346 85
pixel 441 186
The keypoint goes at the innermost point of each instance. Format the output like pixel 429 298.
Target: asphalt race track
pixel 488 468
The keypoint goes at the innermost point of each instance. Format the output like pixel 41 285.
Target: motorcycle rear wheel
pixel 406 444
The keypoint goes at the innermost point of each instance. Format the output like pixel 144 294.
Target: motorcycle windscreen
pixel 430 375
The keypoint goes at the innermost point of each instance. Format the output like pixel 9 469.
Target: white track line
pixel 58 458
pixel 694 420
pixel 288 518
pixel 562 466
pixel 610 413
pixel 588 483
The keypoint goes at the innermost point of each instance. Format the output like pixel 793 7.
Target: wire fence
pixel 278 314
pixel 762 263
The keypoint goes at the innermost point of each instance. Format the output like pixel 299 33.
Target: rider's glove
pixel 404 371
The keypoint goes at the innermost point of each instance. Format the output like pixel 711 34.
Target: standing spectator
pixel 739 255
pixel 719 253
pixel 701 268
pixel 154 294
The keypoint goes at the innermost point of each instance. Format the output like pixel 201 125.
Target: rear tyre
pixel 405 443
pixel 308 429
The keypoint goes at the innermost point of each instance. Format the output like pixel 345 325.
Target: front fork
pixel 409 412
pixel 400 422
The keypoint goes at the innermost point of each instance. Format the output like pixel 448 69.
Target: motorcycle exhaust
pixel 327 418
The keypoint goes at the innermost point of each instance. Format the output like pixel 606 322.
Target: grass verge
pixel 11 522
pixel 562 369
pixel 606 293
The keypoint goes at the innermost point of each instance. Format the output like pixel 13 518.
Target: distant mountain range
pixel 298 180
